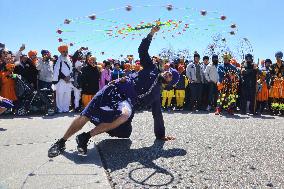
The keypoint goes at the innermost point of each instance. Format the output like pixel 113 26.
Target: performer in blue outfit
pixel 112 109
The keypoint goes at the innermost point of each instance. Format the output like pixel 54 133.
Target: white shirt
pixel 64 69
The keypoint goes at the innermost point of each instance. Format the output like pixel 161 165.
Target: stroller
pixel 31 100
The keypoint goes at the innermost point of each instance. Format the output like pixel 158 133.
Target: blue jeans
pixel 195 95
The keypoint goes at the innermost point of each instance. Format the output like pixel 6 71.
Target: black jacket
pixel 248 82
pixel 89 80
pixel 28 71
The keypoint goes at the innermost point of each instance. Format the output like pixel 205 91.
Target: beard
pixel 215 62
pixel 249 64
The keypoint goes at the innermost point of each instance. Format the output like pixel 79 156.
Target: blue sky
pixel 34 22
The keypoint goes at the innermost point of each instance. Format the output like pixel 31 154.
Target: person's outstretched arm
pixel 143 49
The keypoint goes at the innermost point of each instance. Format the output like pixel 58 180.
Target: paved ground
pixel 210 152
pixel 24 163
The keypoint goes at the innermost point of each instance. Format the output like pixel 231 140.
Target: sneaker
pixel 56 149
pixel 176 108
pixel 252 113
pixel 82 143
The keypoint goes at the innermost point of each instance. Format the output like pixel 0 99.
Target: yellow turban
pixel 227 56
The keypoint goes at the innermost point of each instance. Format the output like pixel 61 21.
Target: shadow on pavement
pixel 116 154
pixel 2 129
pixel 89 159
pixel 263 117
pixel 234 116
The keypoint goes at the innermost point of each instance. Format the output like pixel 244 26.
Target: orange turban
pixel 10 66
pixel 62 48
pixel 32 53
pixel 233 61
pixel 127 66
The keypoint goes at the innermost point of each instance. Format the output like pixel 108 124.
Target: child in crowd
pixel 262 93
pixel 167 93
pixel 180 88
pixel 117 71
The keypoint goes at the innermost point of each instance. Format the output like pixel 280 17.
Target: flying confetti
pixel 106 31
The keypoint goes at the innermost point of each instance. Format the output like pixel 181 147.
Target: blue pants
pixel 212 96
pixel 195 94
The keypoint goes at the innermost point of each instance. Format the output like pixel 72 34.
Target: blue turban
pixel 279 54
pixel 45 52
